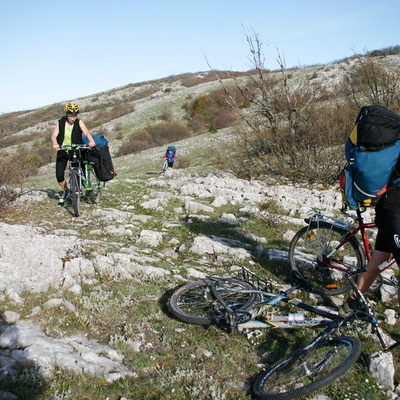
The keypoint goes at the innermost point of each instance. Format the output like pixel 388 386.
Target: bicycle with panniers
pixel 83 180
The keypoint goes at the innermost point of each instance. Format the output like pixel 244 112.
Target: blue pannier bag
pixel 100 140
pixel 100 158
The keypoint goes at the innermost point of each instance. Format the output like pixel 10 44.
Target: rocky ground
pixel 122 243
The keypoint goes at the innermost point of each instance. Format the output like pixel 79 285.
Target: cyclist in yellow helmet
pixel 68 130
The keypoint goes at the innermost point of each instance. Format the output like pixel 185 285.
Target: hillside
pixel 116 113
pixel 84 300
pixel 119 112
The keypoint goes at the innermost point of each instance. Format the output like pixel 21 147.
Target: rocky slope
pixel 142 231
pixel 136 233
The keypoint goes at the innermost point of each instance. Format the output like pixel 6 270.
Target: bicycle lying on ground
pixel 327 248
pixel 242 300
pixel 83 180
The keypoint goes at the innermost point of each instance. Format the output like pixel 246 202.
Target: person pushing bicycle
pixel 170 156
pixel 68 130
pixel 387 243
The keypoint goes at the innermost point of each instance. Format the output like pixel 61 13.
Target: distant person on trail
pixel 170 155
pixel 68 130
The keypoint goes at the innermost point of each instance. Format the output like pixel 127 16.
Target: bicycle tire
pixel 308 369
pixel 195 304
pixel 75 192
pixel 165 166
pixel 94 186
pixel 307 252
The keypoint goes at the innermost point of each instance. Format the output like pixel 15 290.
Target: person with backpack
pixel 170 155
pixel 68 130
pixel 387 242
pixel 374 148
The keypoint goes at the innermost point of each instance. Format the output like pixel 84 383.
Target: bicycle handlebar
pixel 75 146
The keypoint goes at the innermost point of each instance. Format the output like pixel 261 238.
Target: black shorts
pixel 388 237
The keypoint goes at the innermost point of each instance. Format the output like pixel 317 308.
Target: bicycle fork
pixel 370 314
pixel 78 183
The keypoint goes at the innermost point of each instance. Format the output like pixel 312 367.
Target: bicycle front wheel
pixel 194 303
pixel 308 369
pixel 94 186
pixel 75 186
pixel 321 257
pixel 165 166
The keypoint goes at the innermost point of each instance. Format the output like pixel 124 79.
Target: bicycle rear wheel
pixel 94 186
pixel 308 253
pixel 308 369
pixel 75 192
pixel 194 303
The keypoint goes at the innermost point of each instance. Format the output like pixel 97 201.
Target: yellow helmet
pixel 72 108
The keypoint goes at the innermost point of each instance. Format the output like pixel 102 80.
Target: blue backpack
pixel 372 151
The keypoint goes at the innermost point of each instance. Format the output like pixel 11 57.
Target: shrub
pixel 12 174
pixel 132 146
pixel 212 112
pixel 297 129
pixel 155 135
pixel 108 114
pixel 168 131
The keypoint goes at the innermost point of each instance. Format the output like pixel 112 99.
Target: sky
pixel 57 51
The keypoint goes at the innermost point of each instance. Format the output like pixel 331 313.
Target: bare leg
pixel 63 185
pixel 365 279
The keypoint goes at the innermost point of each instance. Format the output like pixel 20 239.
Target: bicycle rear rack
pixel 316 216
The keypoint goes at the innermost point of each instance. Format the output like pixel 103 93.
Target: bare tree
pixel 290 128
pixel 373 82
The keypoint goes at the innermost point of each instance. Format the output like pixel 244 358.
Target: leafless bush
pixel 11 123
pixel 12 174
pixel 373 83
pixel 155 135
pixel 292 129
pixel 132 146
pixel 182 162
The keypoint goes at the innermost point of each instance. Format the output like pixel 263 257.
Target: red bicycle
pixel 327 248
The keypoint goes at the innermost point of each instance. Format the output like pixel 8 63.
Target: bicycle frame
pixel 82 169
pixel 366 312
pixel 78 163
pixel 321 361
pixel 360 228
pixel 261 317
